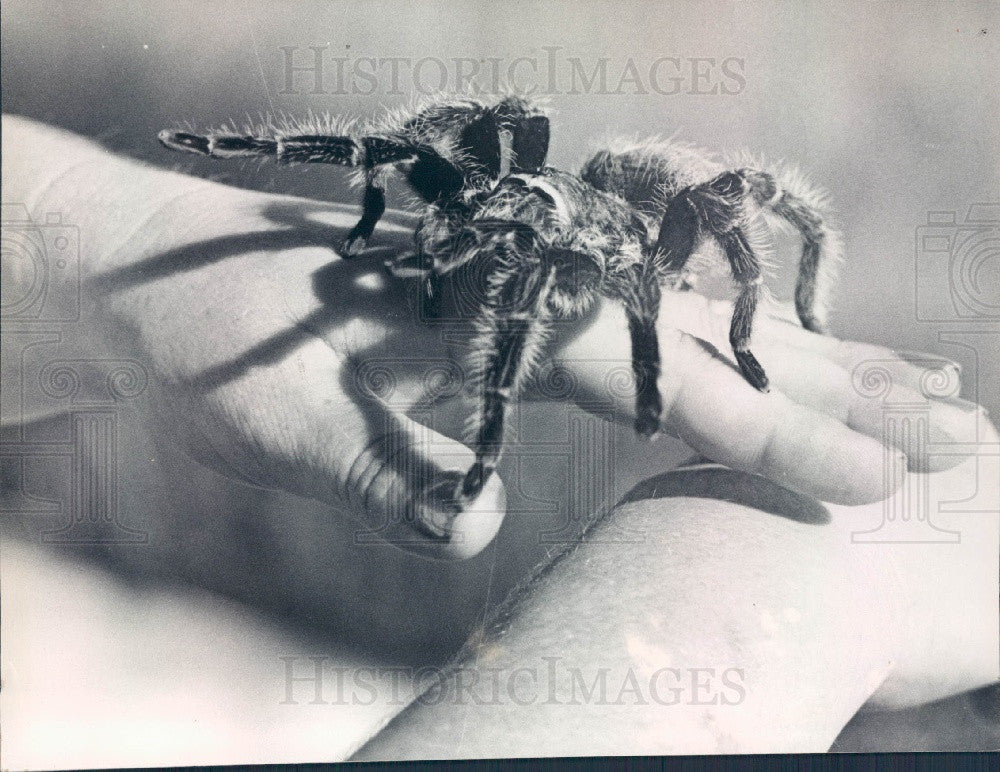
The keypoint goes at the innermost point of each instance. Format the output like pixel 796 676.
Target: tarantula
pixel 542 244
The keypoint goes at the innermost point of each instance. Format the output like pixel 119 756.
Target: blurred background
pixel 892 107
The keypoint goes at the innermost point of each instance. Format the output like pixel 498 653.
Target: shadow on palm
pixel 408 367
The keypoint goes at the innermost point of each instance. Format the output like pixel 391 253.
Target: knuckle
pixel 372 479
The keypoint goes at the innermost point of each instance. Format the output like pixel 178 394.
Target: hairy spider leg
pixel 372 209
pixel 302 148
pixel 530 144
pixel 441 168
pixel 746 270
pixel 717 208
pixel 476 161
pixel 371 152
pixel 511 330
pixel 642 308
pixel 479 147
pixel 793 200
pixel 528 128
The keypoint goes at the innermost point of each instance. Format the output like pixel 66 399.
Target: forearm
pixel 687 664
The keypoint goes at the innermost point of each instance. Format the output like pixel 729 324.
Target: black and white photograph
pixel 498 379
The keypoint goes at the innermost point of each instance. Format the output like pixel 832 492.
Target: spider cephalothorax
pixel 527 245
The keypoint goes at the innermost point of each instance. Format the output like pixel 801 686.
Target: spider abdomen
pixel 647 174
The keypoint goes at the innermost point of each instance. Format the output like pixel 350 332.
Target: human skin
pixel 249 326
pixel 236 304
pixel 820 626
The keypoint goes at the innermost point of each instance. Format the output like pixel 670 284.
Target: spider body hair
pixel 449 150
pixel 703 199
pixel 538 249
pixel 524 245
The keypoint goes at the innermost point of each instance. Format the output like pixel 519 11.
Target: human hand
pixel 265 351
pixel 237 293
pixel 922 567
pixel 812 623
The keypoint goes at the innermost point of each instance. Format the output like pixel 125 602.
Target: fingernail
pixel 898 467
pixel 458 531
pixel 435 509
pixel 922 461
pixel 930 361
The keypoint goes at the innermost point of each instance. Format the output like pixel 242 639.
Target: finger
pixel 402 486
pixel 931 375
pixel 874 405
pixel 709 405
pixel 870 388
pixel 306 427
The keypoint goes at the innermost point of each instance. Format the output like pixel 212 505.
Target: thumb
pixel 400 486
pixel 294 426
